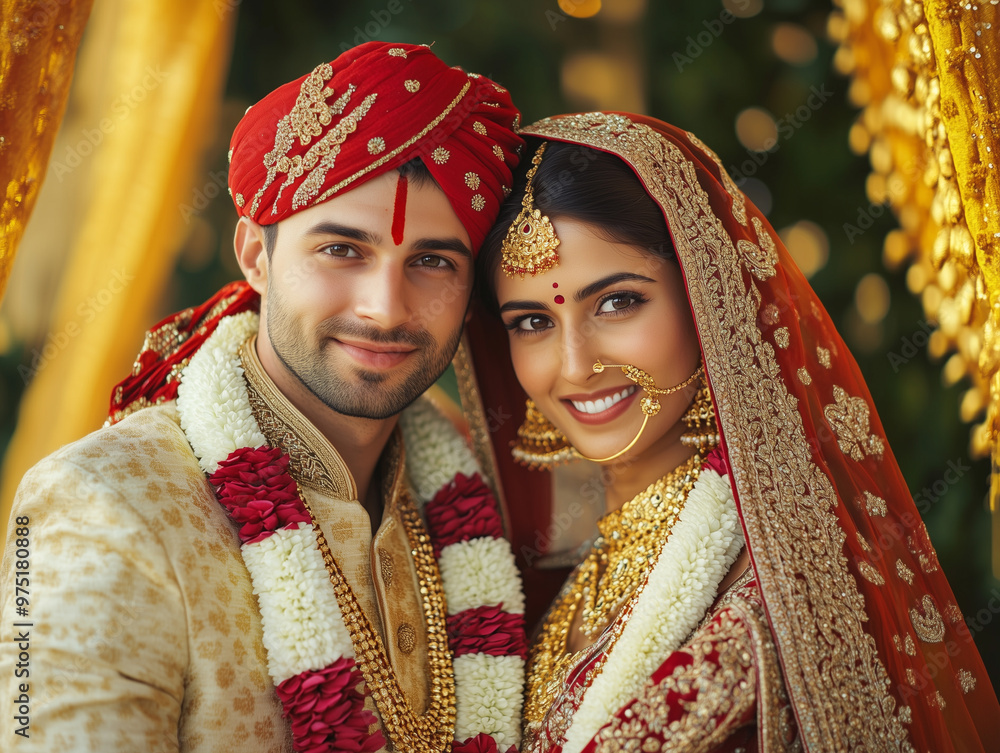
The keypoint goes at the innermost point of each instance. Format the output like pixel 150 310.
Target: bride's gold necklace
pixel 629 541
pixel 618 563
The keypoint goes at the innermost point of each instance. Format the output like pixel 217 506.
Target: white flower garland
pixel 480 572
pixel 303 628
pixel 303 625
pixel 704 544
pixel 212 397
pixel 499 678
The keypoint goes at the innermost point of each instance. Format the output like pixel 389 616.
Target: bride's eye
pixel 529 324
pixel 619 303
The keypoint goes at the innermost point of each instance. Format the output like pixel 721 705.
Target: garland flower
pixel 482 587
pixel 309 651
pixel 701 549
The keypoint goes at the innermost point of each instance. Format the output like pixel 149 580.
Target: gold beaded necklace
pixel 618 563
pixel 433 730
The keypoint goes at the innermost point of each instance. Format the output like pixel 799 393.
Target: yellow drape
pixel 38 44
pixel 928 76
pixel 160 86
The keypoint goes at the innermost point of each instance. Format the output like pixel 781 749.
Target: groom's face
pixel 363 323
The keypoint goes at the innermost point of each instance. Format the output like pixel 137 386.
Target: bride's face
pixel 606 301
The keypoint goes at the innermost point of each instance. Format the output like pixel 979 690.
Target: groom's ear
pixel 251 253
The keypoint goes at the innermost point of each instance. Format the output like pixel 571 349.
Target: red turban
pixel 372 109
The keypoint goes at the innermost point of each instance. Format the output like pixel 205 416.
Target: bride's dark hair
pixel 583 184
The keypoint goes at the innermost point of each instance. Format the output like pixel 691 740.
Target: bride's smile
pixel 612 302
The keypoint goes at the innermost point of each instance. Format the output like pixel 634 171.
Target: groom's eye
pixel 433 261
pixel 341 250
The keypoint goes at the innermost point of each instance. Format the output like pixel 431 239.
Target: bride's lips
pixel 606 415
pixel 375 355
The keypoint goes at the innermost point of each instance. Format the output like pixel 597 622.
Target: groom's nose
pixel 381 296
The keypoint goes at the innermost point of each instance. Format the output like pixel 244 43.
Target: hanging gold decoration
pixel 927 76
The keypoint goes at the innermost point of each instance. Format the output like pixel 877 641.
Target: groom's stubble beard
pixel 347 388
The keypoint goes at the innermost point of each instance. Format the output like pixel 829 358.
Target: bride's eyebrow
pixel 604 282
pixel 522 306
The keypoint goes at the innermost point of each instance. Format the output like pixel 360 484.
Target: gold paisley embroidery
pixel 905 715
pixel 966 681
pixel 831 664
pixel 760 263
pixel 823 356
pixel 864 542
pixel 770 315
pixel 849 417
pixel 723 691
pixel 804 377
pixel 766 241
pixel 739 208
pixel 412 85
pixel 904 572
pixel 870 574
pixel 781 337
pixel 875 505
pixel 897 643
pixel 923 550
pixel 322 156
pixel 953 612
pixel 303 122
pixel 909 646
pixel 928 626
pixel 389 155
pixel 936 700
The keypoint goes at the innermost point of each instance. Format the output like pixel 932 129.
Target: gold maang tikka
pixel 531 242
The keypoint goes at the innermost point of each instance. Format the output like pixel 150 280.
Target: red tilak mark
pixel 399 211
pixel 555 284
pixel 560 299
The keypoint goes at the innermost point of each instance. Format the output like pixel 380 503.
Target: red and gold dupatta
pixel 874 650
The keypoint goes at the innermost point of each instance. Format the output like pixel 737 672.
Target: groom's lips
pixel 375 355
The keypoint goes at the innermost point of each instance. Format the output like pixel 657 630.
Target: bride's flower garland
pixel 702 547
pixel 309 650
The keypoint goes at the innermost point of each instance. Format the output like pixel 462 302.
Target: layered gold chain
pixel 617 565
pixel 433 731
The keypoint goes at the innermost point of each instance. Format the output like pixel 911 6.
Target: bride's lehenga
pixel 843 633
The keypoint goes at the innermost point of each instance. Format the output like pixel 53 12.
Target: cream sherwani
pixel 144 631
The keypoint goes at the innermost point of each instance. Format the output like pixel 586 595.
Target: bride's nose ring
pixel 650 403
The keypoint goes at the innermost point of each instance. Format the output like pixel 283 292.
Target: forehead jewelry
pixel 650 404
pixel 531 242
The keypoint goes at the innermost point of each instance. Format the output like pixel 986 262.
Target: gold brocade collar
pixel 313 461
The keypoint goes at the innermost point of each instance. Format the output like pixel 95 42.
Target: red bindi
pixel 555 284
pixel 560 299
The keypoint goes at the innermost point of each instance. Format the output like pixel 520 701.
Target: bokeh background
pixel 756 81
